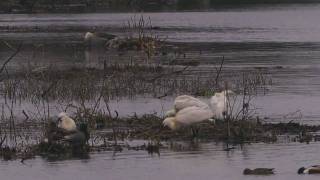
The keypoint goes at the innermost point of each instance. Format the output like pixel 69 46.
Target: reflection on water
pixel 207 160
pixel 283 42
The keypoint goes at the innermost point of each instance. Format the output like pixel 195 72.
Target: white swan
pixel 184 101
pixel 90 38
pixel 219 103
pixel 189 110
pixel 170 113
pixel 66 123
pixel 188 116
pixel 78 137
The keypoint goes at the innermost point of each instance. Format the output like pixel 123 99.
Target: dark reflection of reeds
pixel 116 81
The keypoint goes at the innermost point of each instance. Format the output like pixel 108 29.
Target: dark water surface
pixel 274 23
pixel 284 40
pixel 202 161
pixel 271 37
pixel 293 23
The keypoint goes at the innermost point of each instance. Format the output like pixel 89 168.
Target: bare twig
pixel 25 114
pixel 9 59
pixel 219 71
pixel 8 45
pixel 2 140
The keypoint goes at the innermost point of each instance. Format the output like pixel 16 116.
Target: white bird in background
pixel 189 110
pixel 88 36
pixel 66 123
pixel 92 38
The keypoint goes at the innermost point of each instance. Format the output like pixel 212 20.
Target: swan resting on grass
pixel 185 101
pixel 189 110
pixel 69 131
pixel 188 116
pixel 78 137
pixel 66 123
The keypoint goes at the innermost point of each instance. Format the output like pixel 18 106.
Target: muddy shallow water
pixel 282 41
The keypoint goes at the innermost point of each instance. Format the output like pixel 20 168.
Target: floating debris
pixel 258 171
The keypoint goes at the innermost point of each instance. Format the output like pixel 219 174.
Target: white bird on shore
pixel 188 116
pixel 78 137
pixel 189 110
pixel 184 101
pixel 219 103
pixel 92 38
pixel 170 113
pixel 66 123
pixel 88 36
pixel 65 130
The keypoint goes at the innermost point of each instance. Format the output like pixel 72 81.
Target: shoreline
pixel 153 137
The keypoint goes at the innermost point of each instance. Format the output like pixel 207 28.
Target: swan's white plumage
pixel 184 101
pixel 188 116
pixel 171 123
pixel 193 114
pixel 189 110
pixel 98 36
pixel 66 123
pixel 88 36
pixel 170 113
pixel 219 103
